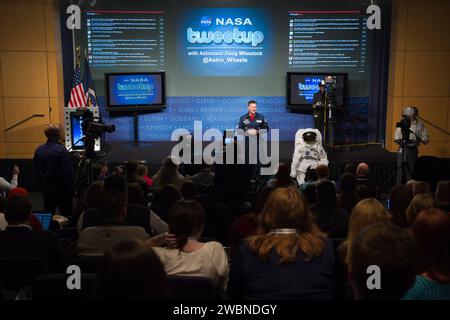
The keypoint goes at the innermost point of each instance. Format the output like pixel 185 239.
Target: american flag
pixel 77 98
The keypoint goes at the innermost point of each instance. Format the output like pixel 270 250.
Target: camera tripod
pixel 404 167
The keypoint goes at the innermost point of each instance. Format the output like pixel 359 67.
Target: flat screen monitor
pixel 135 91
pixel 76 122
pixel 301 87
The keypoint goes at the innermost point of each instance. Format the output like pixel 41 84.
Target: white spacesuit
pixel 308 153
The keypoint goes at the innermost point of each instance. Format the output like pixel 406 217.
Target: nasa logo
pixel 233 22
pixel 206 21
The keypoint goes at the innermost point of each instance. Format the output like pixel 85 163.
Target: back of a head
pixel 131 270
pixel 421 187
pixel 53 132
pixel 365 213
pixel 135 194
pixel 186 219
pixel 261 199
pixel 419 203
pixel 113 206
pixel 400 198
pixel 443 192
pixel 362 170
pixel 18 209
pixel 326 194
pixel 350 168
pixel 309 191
pixel 131 168
pixel 283 175
pixel 431 231
pixel 115 182
pixel 286 208
pixel 347 183
pixel 18 191
pixel 392 250
pixel 94 194
pixel 322 171
pixel 142 170
pixel 167 196
pixel 311 175
pixel 188 190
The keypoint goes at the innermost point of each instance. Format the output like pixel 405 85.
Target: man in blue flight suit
pixel 251 123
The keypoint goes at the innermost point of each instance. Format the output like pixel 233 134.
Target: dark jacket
pixel 53 167
pixel 24 242
pixel 259 122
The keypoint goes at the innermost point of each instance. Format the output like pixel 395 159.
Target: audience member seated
pixel 399 200
pixel 168 174
pixel 6 186
pixel 99 171
pixel 309 191
pixel 247 224
pixel 419 203
pixel 431 232
pixel 421 187
pixel 187 255
pixel 347 197
pixel 205 177
pixel 165 197
pixel 90 199
pixel 142 172
pixel 33 222
pixel 282 178
pixel 219 218
pixel 442 197
pixel 365 213
pixel 96 240
pixel 411 184
pixel 20 240
pixel 290 258
pixel 137 215
pixel 362 178
pixel 188 190
pixel 330 219
pixel 323 173
pixel 136 200
pixel 391 249
pixel 130 270
pixel 131 169
pixel 350 168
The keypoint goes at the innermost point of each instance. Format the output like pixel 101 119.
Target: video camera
pixel 92 128
pixel 91 125
pixel 405 123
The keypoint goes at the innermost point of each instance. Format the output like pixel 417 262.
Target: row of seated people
pixel 288 255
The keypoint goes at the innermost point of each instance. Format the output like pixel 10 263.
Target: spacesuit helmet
pixel 310 137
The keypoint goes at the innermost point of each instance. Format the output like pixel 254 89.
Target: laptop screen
pixel 44 218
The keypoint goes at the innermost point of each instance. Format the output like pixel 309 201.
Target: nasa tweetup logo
pixel 224 33
pixel 206 21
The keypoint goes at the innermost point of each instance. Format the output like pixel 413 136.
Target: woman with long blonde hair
pixel 289 258
pixel 365 213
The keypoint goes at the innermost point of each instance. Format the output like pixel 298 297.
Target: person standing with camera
pixel 319 101
pixel 409 134
pixel 53 169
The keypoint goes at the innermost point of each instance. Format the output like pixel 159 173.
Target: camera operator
pixel 319 101
pixel 410 132
pixel 53 169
